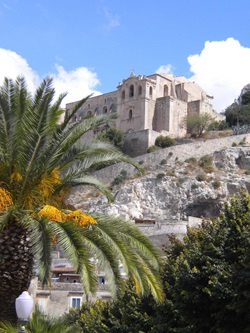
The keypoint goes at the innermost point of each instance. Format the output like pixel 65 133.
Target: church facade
pixel 148 106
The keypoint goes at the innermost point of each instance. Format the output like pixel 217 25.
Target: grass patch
pixel 160 175
pixel 201 177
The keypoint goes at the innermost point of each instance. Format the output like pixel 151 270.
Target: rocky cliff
pixel 175 191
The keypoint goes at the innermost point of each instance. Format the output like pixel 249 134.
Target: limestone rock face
pixel 243 91
pixel 177 190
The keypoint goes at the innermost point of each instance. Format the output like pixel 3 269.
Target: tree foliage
pixel 112 135
pixel 218 125
pixel 128 313
pixel 206 282
pixel 196 124
pixel 238 115
pixel 245 98
pixel 207 276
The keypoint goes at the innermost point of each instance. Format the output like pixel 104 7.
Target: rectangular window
pixel 76 302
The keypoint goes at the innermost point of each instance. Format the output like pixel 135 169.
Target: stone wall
pixel 172 154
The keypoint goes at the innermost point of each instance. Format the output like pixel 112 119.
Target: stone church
pixel 148 106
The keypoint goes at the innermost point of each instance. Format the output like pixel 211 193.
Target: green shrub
pixel 209 169
pixel 194 186
pixel 164 141
pixel 112 135
pixel 234 144
pixel 123 175
pixel 218 125
pixel 160 175
pixel 201 177
pixel 141 162
pixel 205 160
pixel 170 153
pixel 216 183
pixel 191 160
pixel 243 142
pixel 163 162
pixel 152 148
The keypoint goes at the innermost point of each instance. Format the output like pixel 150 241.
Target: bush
pixel 243 142
pixel 201 177
pixel 164 161
pixel 194 186
pixel 209 169
pixel 205 160
pixel 234 144
pixel 191 160
pixel 216 183
pixel 152 148
pixel 120 178
pixel 218 126
pixel 112 135
pixel 164 141
pixel 160 175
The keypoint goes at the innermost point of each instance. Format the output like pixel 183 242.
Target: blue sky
pixel 90 46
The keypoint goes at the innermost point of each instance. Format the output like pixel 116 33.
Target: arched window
pixel 139 90
pixel 89 113
pixel 131 90
pixel 105 109
pixel 150 91
pixel 130 115
pixel 165 91
pixel 123 94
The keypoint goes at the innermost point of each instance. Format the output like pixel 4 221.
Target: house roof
pixel 62 269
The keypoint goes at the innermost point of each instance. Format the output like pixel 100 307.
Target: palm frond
pixel 77 251
pixel 6 218
pixel 6 327
pixel 89 181
pixel 129 244
pixel 104 256
pixel 92 154
pixel 41 238
pixel 70 115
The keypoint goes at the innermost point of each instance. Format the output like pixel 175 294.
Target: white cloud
pixel 12 65
pixel 79 82
pixel 221 69
pixel 113 21
pixel 165 69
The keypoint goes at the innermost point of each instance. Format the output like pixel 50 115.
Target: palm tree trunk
pixel 16 268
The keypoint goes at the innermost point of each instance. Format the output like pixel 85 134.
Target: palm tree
pixel 40 161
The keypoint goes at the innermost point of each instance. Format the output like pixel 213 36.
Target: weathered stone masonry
pixel 148 106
